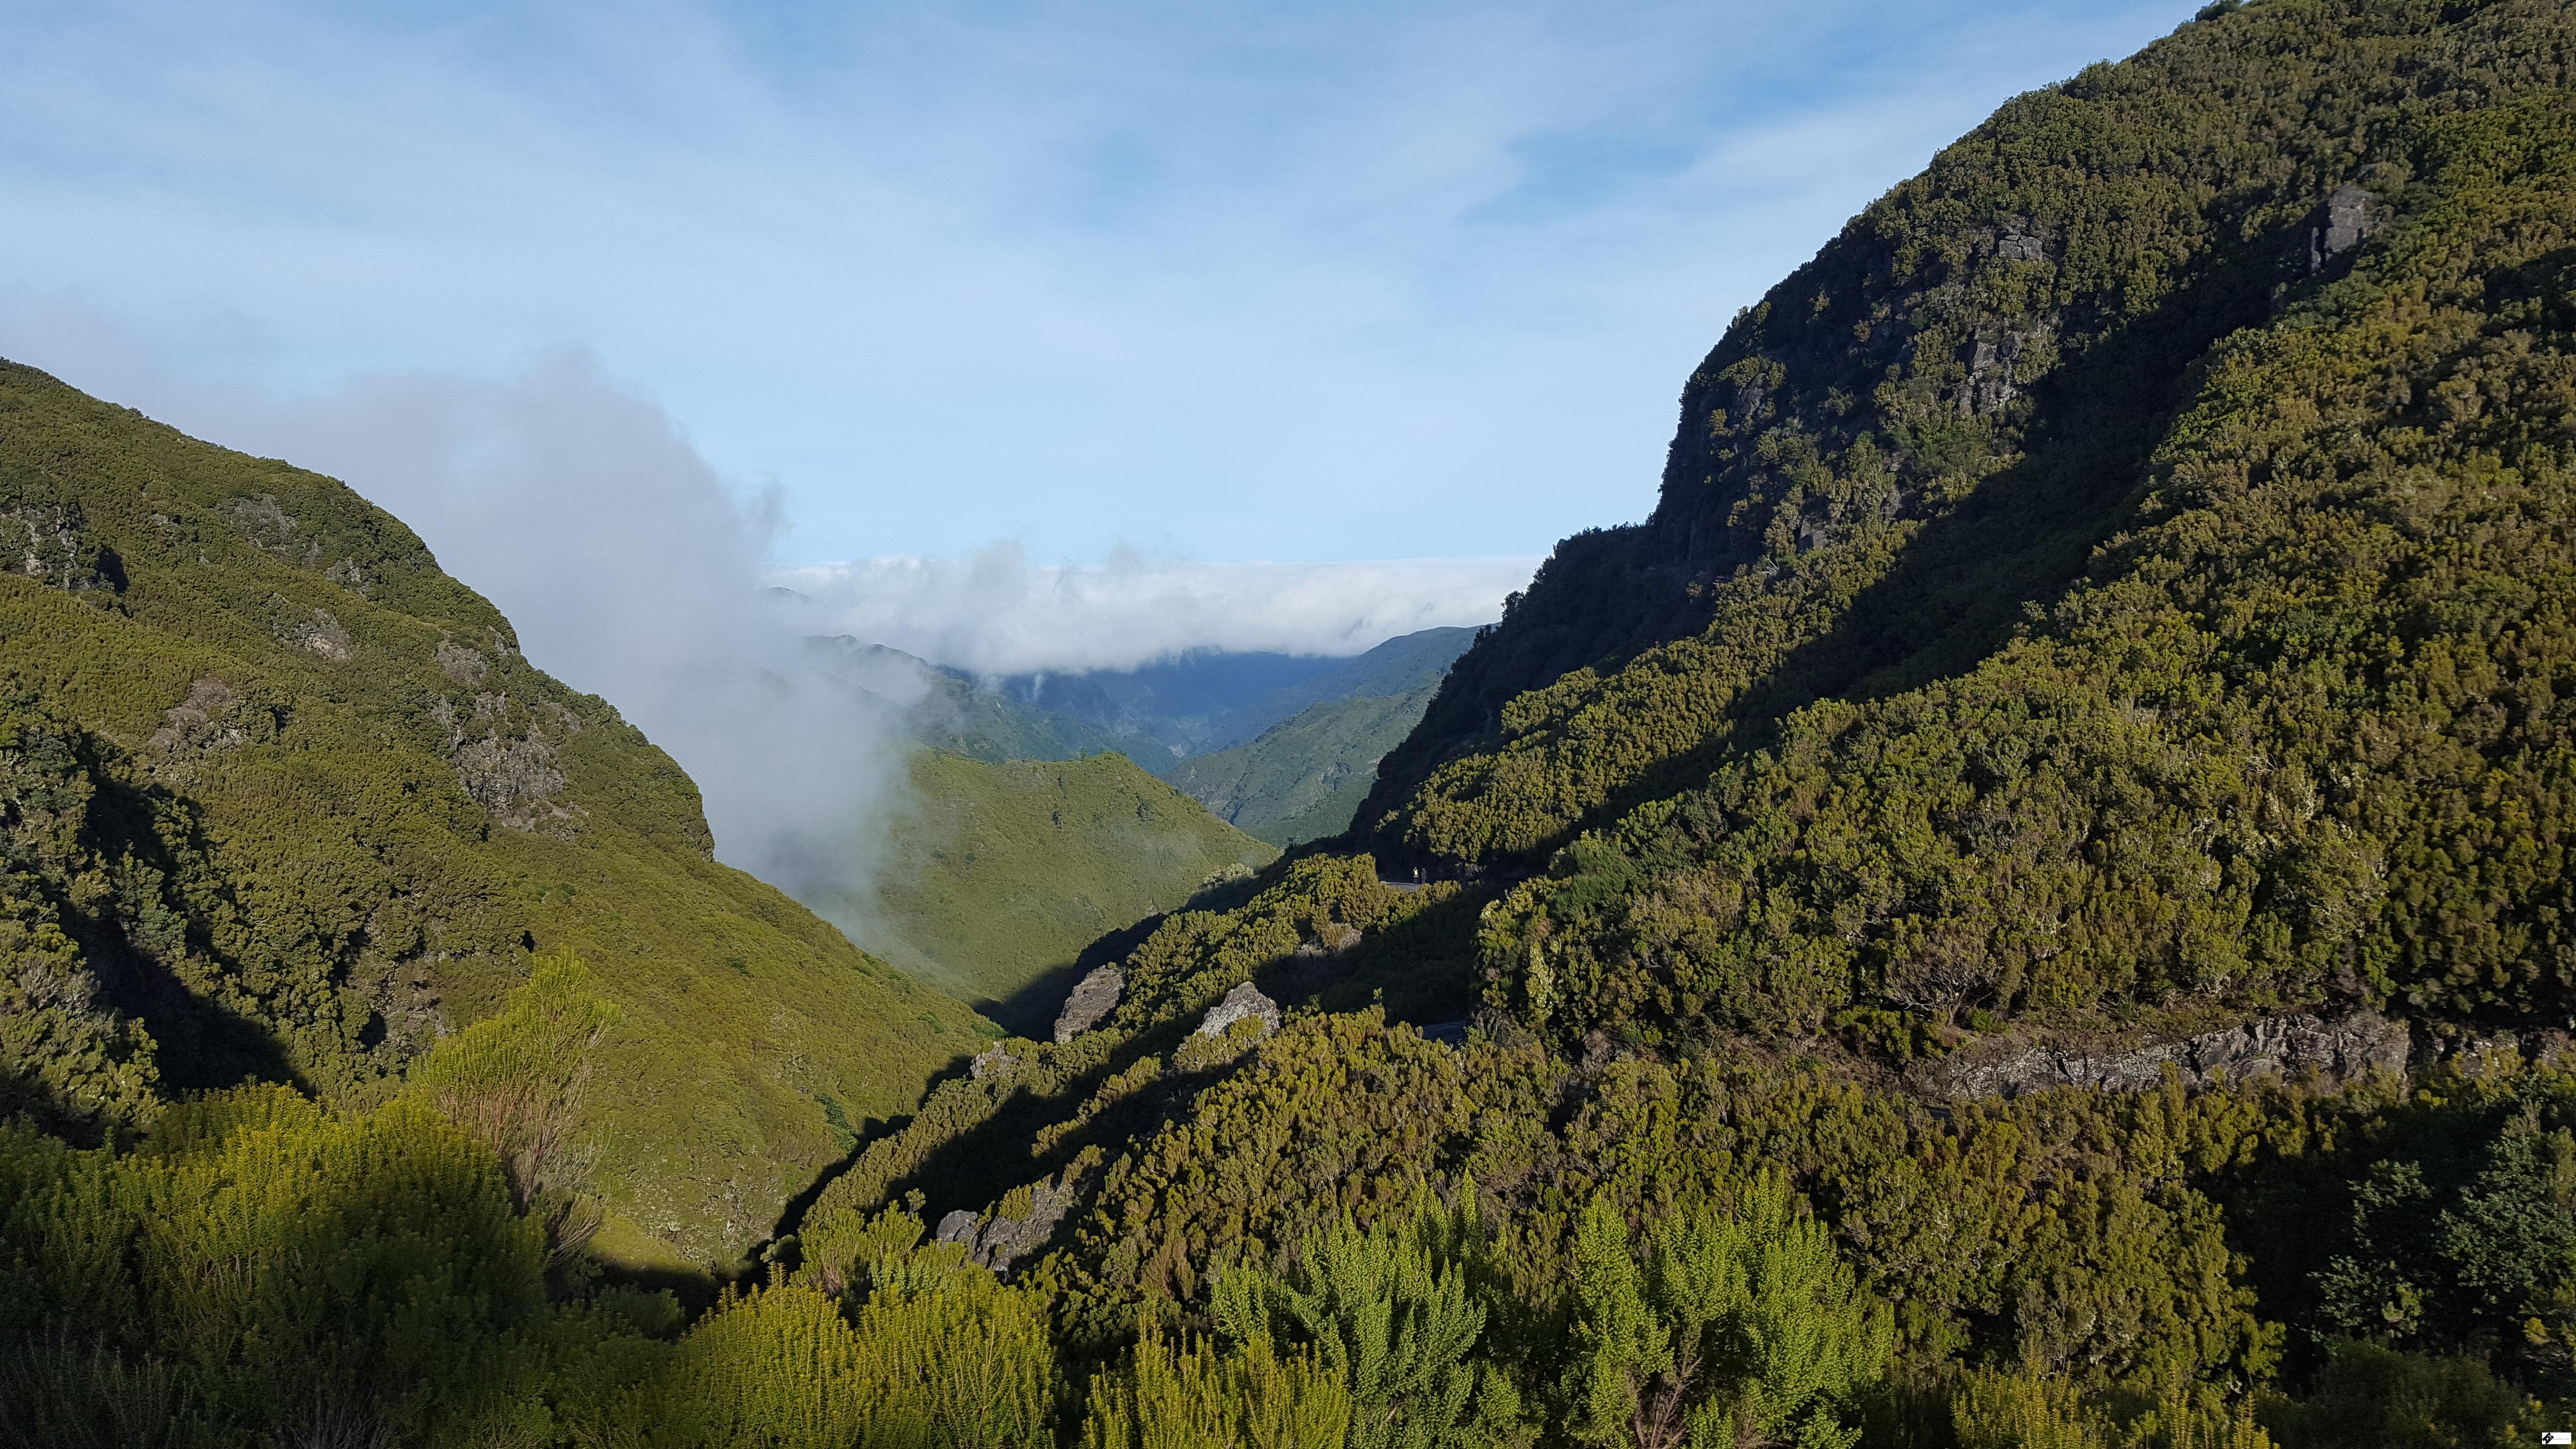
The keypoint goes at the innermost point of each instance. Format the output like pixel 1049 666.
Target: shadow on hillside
pixel 1421 972
pixel 1972 575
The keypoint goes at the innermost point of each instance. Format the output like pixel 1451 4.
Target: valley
pixel 2028 905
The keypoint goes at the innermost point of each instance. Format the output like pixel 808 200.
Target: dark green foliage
pixel 2369 1394
pixel 2299 732
pixel 2118 590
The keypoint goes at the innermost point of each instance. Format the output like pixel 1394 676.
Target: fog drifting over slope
pixel 632 571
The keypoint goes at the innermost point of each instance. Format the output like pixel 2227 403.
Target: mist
pixel 633 570
pixel 997 612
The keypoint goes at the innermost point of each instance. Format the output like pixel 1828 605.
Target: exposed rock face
pixel 1006 1238
pixel 1242 1001
pixel 464 666
pixel 2343 1049
pixel 1092 1000
pixel 49 542
pixel 2341 223
pixel 322 634
pixel 197 728
pixel 990 1063
pixel 511 774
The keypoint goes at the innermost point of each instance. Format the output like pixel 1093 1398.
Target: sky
pixel 1026 336
pixel 1190 284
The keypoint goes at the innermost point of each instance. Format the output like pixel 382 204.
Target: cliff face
pixel 283 801
pixel 1922 434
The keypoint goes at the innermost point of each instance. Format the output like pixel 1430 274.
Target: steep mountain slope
pixel 1302 778
pixel 1001 873
pixel 1925 431
pixel 1402 665
pixel 2076 778
pixel 284 801
pixel 1163 711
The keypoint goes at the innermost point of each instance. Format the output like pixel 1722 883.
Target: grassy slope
pixel 1006 871
pixel 350 899
pixel 1303 778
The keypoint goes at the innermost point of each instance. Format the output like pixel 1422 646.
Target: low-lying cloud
pixel 632 570
pixel 996 612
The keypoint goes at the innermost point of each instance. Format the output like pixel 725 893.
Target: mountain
pixel 1000 873
pixel 2027 905
pixel 1164 711
pixel 1294 765
pixel 2071 784
pixel 945 709
pixel 1303 778
pixel 1402 665
pixel 285 803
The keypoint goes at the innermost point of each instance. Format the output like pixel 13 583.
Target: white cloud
pixel 1220 278
pixel 994 612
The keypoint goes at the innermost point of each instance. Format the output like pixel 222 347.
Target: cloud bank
pixel 995 612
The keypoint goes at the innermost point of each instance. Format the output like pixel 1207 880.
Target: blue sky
pixel 1175 282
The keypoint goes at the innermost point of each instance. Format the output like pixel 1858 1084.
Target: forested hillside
pixel 994 877
pixel 1303 778
pixel 285 804
pixel 2028 905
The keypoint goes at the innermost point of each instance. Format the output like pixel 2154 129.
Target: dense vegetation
pixel 995 876
pixel 2113 601
pixel 283 803
pixel 1303 778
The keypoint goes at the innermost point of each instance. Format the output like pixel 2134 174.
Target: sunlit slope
pixel 368 809
pixel 2128 568
pixel 1004 872
pixel 2121 595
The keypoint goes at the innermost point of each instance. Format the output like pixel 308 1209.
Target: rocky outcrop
pixel 1242 1001
pixel 2347 216
pixel 510 772
pixel 1019 1228
pixel 991 1064
pixel 49 542
pixel 464 666
pixel 1093 998
pixel 2341 1049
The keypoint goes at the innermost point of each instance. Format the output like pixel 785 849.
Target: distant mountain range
pixel 1283 746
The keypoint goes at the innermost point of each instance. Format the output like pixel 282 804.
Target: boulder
pixel 1242 1001
pixel 1093 998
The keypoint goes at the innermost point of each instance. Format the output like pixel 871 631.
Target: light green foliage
pixel 286 803
pixel 1741 1328
pixel 277 1260
pixel 1190 1394
pixel 938 1355
pixel 1002 873
pixel 515 1081
pixel 1392 1312
pixel 2075 606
